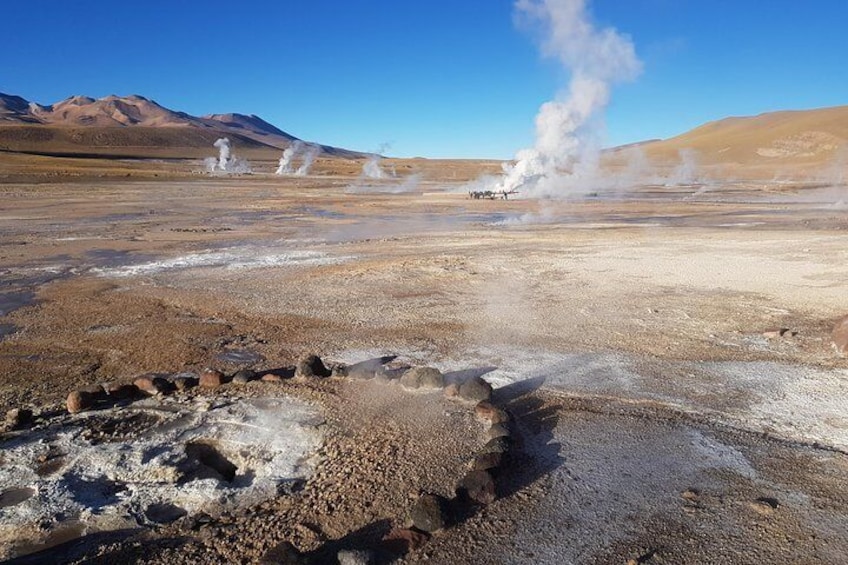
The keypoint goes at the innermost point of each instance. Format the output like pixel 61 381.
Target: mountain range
pixel 134 126
pixel 137 127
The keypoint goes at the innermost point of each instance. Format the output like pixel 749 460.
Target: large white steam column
pixel 285 165
pixel 223 145
pixel 567 145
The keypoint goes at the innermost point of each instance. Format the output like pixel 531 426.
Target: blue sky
pixel 436 78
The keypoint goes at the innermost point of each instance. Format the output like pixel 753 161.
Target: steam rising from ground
pixel 371 169
pixel 567 147
pixel 307 154
pixel 226 162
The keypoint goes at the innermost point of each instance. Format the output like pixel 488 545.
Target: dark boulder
pixel 429 512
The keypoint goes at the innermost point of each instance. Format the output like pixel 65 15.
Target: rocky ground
pixel 667 360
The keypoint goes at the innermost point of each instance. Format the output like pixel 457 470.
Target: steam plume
pixel 223 145
pixel 567 148
pixel 226 161
pixel 309 156
pixel 371 169
pixel 285 166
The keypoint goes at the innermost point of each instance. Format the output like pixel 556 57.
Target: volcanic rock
pixel 840 336
pixel 164 513
pixel 487 461
pixel 244 376
pixel 185 382
pixel 153 384
pixel 283 554
pixel 271 378
pixel 498 430
pixel 475 389
pixel 96 392
pixel 339 370
pixel 18 418
pixel 497 445
pixel 401 540
pixel 491 414
pixel 78 401
pixel 428 513
pixel 311 366
pixel 477 486
pixel 210 378
pixel 121 391
pixel 422 377
pixel 356 557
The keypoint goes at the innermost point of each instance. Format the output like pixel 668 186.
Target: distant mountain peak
pixel 134 110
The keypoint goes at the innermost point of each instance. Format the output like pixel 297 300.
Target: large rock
pixel 283 554
pixel 78 401
pixel 18 419
pixel 477 486
pixel 498 430
pixel 356 557
pixel 491 414
pixel 475 389
pixel 428 513
pixel 497 445
pixel 185 381
pixel 840 336
pixel 401 540
pixel 422 377
pixel 211 378
pixel 488 461
pixel 121 391
pixel 311 366
pixel 153 384
pixel 244 376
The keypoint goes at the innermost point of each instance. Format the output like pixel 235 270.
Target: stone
pixel 361 371
pixel 785 333
pixel 356 557
pixel 244 376
pixel 153 384
pixel 497 445
pixel 18 419
pixel 487 461
pixel 839 336
pixel 283 554
pixel 78 401
pixel 391 372
pixel 211 378
pixel 271 378
pixel 401 541
pixel 311 366
pixel 339 370
pixel 164 513
pixel 97 393
pixel 477 486
pixel 185 382
pixel 764 505
pixel 451 391
pixel 428 513
pixel 121 391
pixel 498 430
pixel 475 389
pixel 490 413
pixel 422 377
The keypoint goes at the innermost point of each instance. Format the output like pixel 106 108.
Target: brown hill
pixel 804 137
pixel 134 126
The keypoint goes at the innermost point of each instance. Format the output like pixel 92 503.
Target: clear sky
pixel 435 78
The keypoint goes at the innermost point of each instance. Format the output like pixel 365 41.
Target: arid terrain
pixel 664 353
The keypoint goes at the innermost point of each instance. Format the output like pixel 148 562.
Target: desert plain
pixel 664 352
